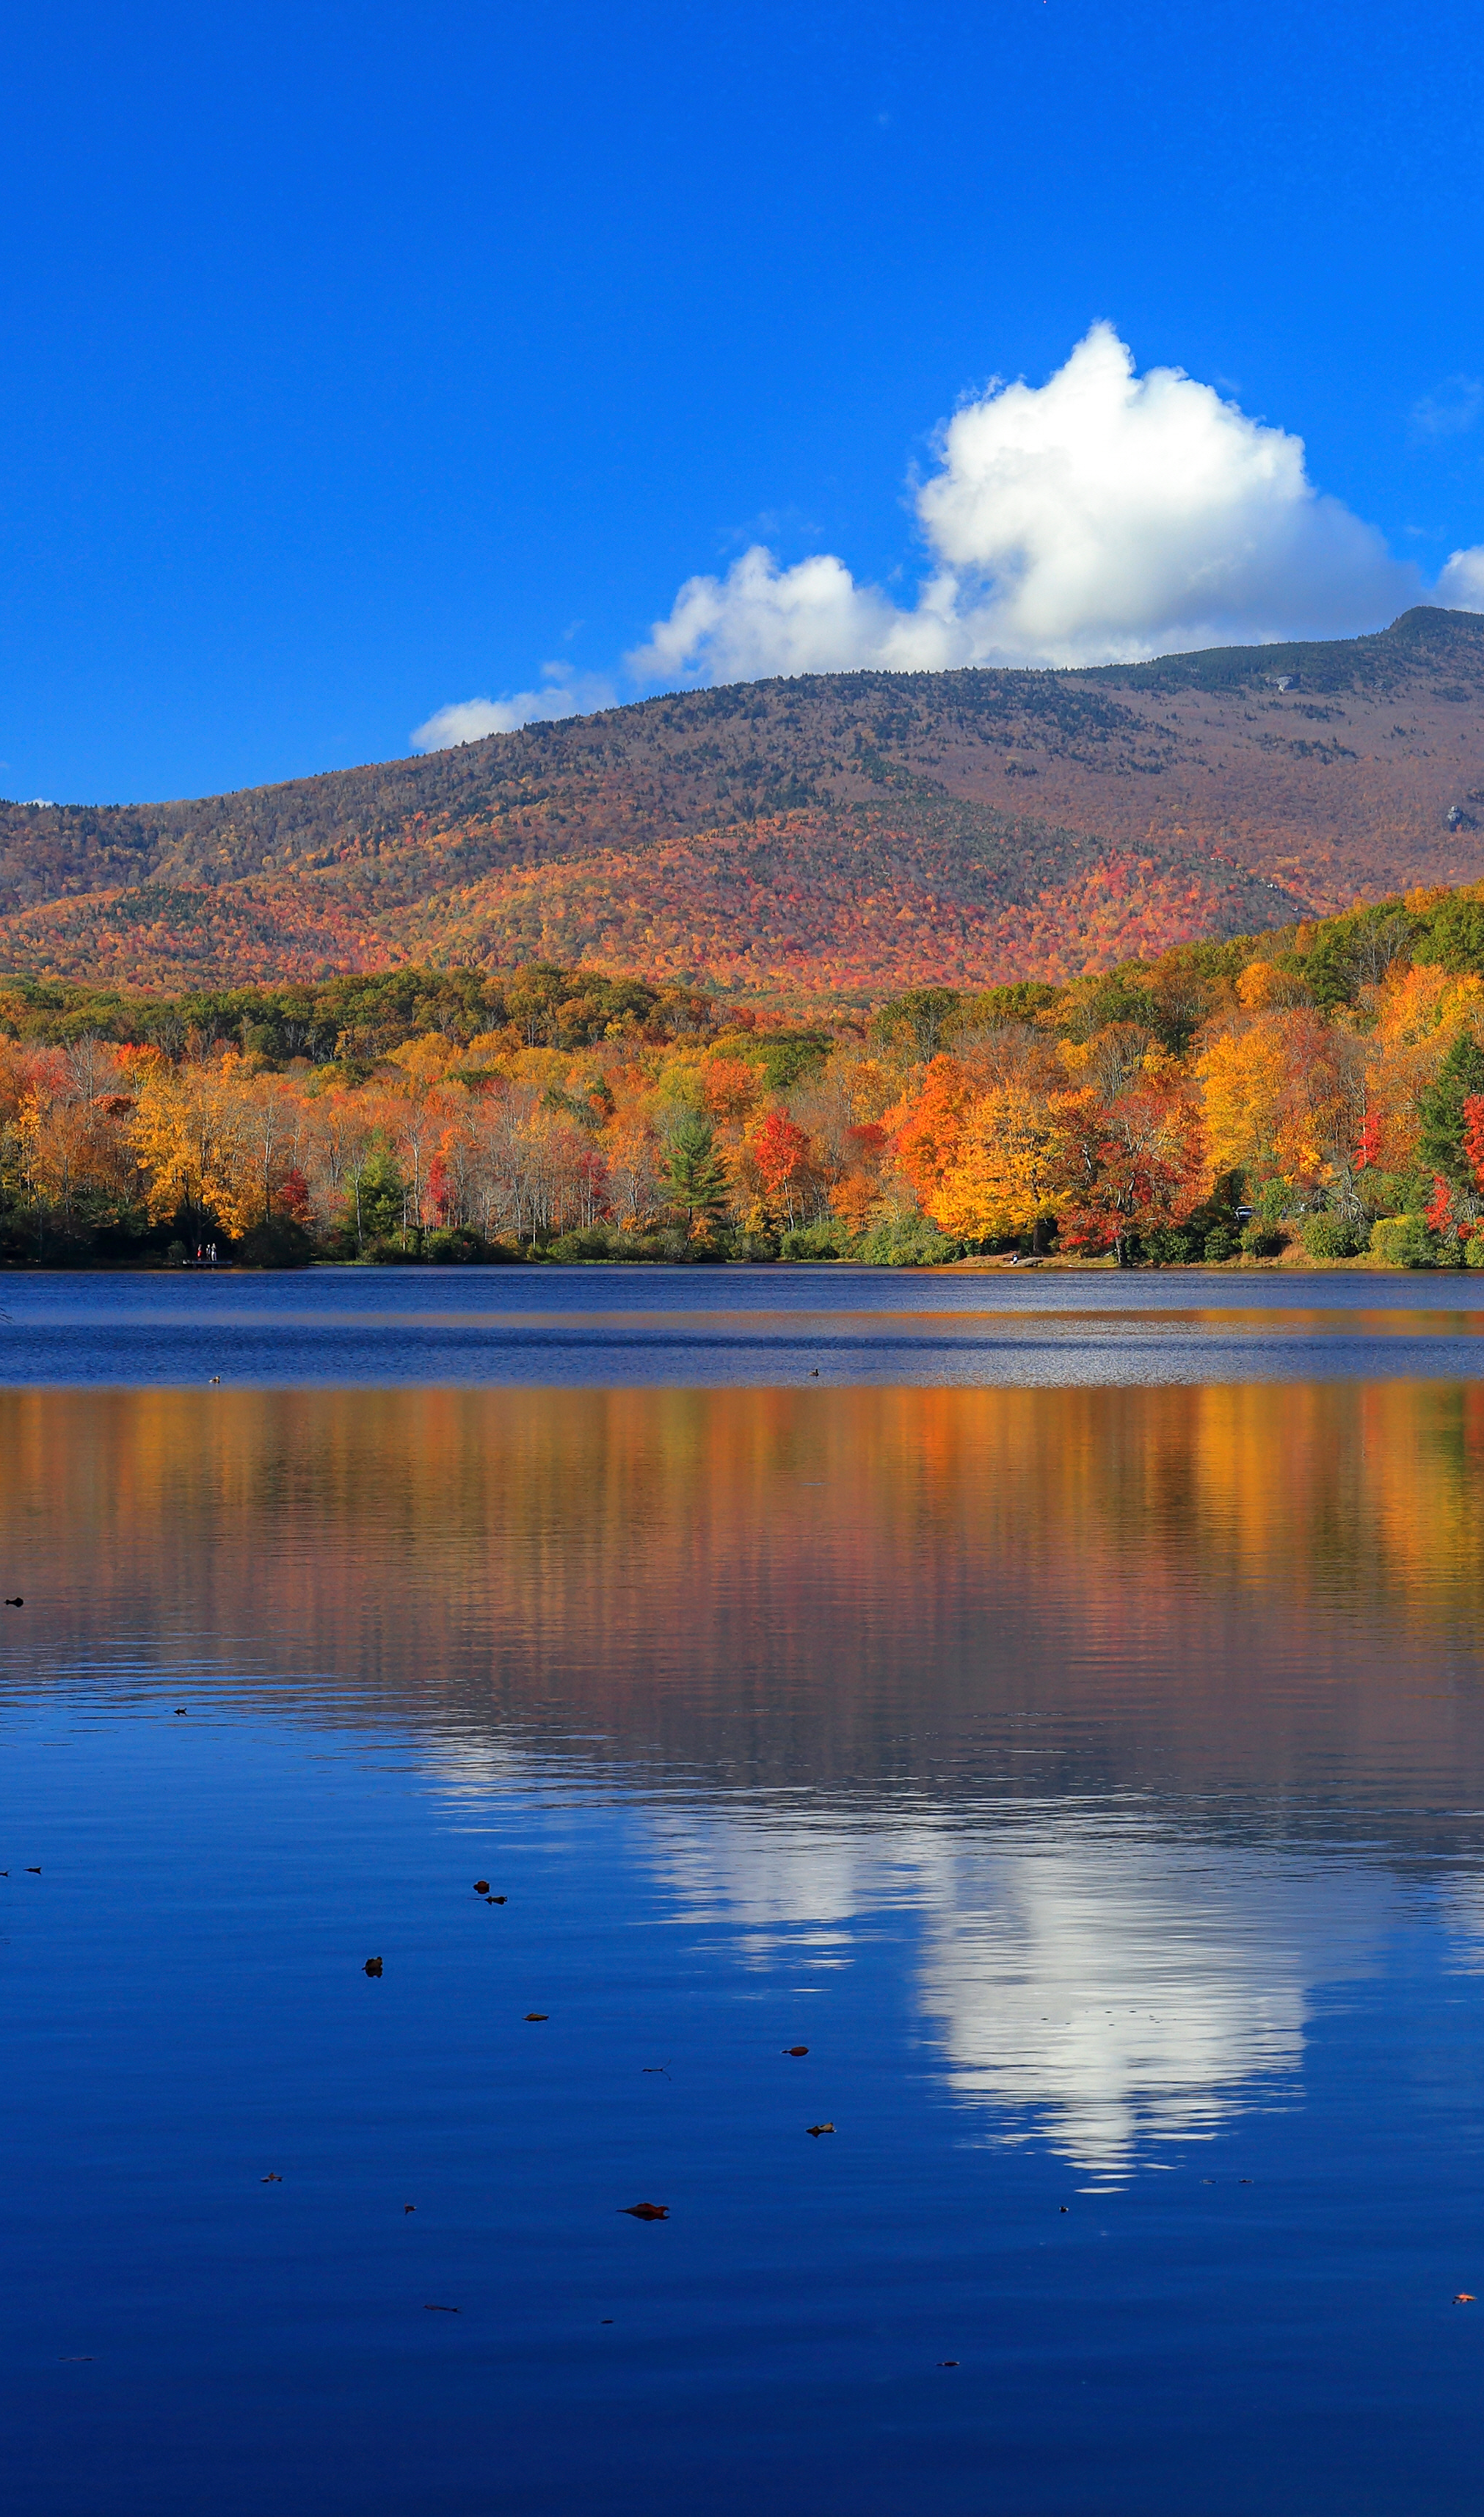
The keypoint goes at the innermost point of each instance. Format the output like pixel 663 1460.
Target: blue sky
pixel 367 361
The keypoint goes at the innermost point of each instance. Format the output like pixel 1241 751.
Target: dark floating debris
pixel 434 2307
pixel 646 2210
pixel 68 2359
pixel 814 2130
pixel 482 1886
pixel 34 1868
pixel 537 2014
pixel 948 2364
pixel 410 2206
pixel 605 2320
pixel 795 2049
pixel 18 1602
pixel 373 1966
pixel 181 1708
pixel 1064 2206
pixel 496 1900
pixel 271 2179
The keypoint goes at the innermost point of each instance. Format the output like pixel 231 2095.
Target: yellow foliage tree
pixel 1005 1169
pixel 1243 1078
pixel 192 1134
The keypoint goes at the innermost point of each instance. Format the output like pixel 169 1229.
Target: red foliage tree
pixel 1135 1164
pixel 1438 1211
pixel 781 1154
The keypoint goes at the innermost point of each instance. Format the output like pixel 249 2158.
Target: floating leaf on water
pixel 795 2049
pixel 373 1966
pixel 646 2210
pixel 814 2130
pixel 482 1886
pixel 539 2014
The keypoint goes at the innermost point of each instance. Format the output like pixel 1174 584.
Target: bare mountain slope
pixel 847 832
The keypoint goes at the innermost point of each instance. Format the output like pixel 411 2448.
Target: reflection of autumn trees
pixel 862 1565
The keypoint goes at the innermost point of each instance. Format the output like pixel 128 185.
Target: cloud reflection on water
pixel 1101 1991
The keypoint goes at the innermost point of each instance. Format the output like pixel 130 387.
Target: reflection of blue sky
pixel 1102 1991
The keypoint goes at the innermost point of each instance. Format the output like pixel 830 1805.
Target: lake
pixel 1061 1717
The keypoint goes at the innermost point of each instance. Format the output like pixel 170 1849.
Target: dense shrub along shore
pixel 1320 1090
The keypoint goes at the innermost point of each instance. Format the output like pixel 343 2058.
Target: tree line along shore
pixel 1317 1091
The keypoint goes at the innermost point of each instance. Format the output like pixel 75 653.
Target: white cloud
pixel 812 619
pixel 1102 515
pixel 469 720
pixel 1461 587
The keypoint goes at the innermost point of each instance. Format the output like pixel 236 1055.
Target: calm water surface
pixel 724 1326
pixel 1063 1716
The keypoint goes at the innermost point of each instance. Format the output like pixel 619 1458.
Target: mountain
pixel 841 835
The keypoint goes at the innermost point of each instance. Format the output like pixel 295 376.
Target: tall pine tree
pixel 1440 1147
pixel 696 1174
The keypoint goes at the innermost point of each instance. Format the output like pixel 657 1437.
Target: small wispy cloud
pixel 1453 412
pixel 562 693
pixel 1461 586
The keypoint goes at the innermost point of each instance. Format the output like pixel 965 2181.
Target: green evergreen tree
pixel 1440 1148
pixel 376 1207
pixel 695 1173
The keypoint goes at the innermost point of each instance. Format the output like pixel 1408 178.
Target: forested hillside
pixel 837 836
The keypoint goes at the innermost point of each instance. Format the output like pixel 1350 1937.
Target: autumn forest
pixel 1317 1090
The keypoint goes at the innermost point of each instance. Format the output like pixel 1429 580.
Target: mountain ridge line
pixel 827 839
